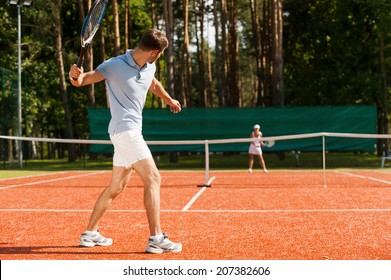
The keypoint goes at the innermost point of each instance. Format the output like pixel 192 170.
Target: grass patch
pixel 305 160
pixel 217 161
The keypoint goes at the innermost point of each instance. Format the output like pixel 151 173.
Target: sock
pixel 91 232
pixel 157 238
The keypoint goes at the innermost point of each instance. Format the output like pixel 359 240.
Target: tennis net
pixel 314 159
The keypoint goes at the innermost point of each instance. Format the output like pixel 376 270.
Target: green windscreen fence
pixel 226 123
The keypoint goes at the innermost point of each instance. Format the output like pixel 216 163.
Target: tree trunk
pixel 103 57
pixel 61 73
pixel 258 96
pixel 209 80
pixel 126 25
pixel 233 46
pixel 81 12
pixel 384 108
pixel 266 46
pixel 218 70
pixel 158 71
pixel 201 58
pixel 169 20
pixel 277 74
pixel 90 64
pixel 224 51
pixel 117 38
pixel 153 14
pixel 187 83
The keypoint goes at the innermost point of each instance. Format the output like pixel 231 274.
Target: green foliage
pixel 331 56
pixel 331 51
pixel 8 31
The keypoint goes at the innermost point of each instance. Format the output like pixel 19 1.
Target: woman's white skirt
pixel 254 150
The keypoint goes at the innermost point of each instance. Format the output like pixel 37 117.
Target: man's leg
pixel 158 241
pixel 119 180
pixel 150 176
pixel 91 237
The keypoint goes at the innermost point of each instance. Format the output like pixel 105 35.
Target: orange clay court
pixel 282 215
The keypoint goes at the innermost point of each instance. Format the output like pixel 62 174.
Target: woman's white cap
pixel 257 126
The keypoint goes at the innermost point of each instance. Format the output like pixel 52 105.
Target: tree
pixel 169 23
pixel 117 37
pixel 218 68
pixel 186 59
pixel 384 19
pixel 334 53
pixel 223 97
pixel 277 57
pixel 257 53
pixel 199 6
pixel 233 50
pixel 127 34
pixel 56 8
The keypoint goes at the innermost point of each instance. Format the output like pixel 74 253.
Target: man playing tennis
pixel 128 79
pixel 255 149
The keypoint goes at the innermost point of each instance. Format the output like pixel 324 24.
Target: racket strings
pixel 94 19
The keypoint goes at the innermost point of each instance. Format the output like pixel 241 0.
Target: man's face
pixel 155 56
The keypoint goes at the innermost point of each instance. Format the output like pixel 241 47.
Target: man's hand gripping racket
pixel 90 26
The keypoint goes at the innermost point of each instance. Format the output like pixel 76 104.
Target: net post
pixel 84 155
pixel 206 162
pixel 324 159
pixel 207 183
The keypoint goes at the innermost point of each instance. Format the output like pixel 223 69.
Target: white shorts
pixel 129 148
pixel 254 150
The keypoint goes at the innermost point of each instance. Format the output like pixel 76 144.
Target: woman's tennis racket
pixel 270 143
pixel 91 25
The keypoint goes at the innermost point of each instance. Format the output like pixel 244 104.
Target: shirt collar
pixel 133 63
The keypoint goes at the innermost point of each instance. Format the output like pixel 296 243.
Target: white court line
pixel 190 203
pixel 47 181
pixel 364 177
pixel 30 176
pixel 206 211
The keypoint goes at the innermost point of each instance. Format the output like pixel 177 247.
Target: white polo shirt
pixel 128 86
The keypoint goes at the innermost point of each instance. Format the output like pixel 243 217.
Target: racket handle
pixel 81 56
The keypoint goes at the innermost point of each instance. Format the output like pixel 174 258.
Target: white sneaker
pixel 250 170
pixel 265 170
pixel 87 240
pixel 164 246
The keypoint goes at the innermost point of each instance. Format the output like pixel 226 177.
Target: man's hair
pixel 153 40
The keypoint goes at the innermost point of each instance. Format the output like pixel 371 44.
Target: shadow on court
pixel 59 250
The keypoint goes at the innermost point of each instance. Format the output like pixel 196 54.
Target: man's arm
pixel 78 78
pixel 157 89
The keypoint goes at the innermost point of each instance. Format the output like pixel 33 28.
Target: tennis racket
pixel 91 25
pixel 269 143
